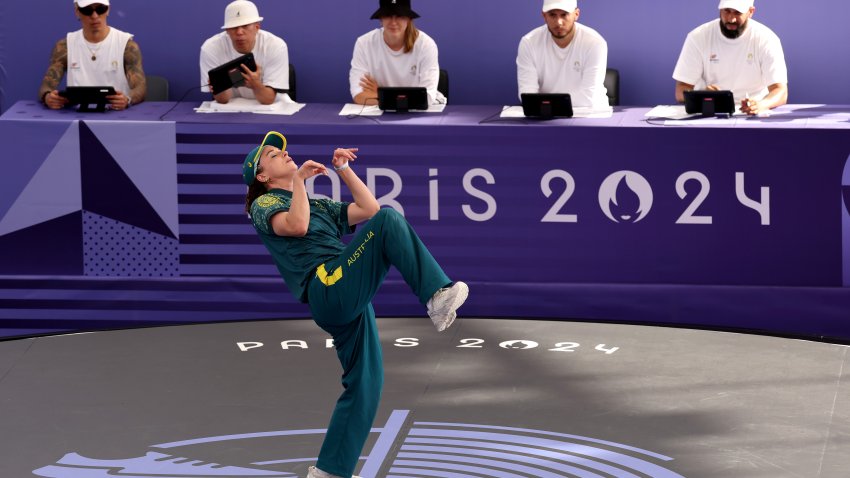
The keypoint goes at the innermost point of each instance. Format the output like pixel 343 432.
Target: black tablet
pixel 90 98
pixel 547 105
pixel 709 103
pixel 229 75
pixel 402 99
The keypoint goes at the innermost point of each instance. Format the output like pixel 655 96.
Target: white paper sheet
pixel 673 112
pixel 282 106
pixel 512 112
pixel 586 112
pixel 578 112
pixel 352 109
pixel 677 113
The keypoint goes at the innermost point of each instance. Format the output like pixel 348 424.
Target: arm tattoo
pixel 135 73
pixel 56 70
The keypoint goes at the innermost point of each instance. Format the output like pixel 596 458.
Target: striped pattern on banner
pixel 39 305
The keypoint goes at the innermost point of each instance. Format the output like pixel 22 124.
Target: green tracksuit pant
pixel 340 296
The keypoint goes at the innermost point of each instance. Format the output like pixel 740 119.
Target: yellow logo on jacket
pixel 328 279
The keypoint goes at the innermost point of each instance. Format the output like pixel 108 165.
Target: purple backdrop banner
pixel 556 205
pixel 123 220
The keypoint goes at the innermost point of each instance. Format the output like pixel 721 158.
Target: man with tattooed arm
pixel 96 55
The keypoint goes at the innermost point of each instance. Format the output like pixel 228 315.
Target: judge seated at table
pixel 95 55
pixel 564 56
pixel 738 54
pixel 242 35
pixel 397 54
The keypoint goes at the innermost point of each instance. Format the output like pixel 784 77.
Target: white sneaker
pixel 314 472
pixel 442 307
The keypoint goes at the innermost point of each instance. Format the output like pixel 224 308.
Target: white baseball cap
pixel 566 5
pixel 85 3
pixel 240 12
pixel 741 6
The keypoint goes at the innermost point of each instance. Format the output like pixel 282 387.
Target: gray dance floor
pixel 487 398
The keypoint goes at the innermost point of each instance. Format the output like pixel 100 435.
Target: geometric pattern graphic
pixel 115 249
pixel 54 189
pixel 123 171
pixel 109 191
pixel 145 152
pixel 82 173
pixel 430 449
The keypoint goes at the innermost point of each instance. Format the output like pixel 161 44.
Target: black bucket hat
pixel 399 8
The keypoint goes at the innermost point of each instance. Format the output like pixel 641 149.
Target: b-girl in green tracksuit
pixel 338 281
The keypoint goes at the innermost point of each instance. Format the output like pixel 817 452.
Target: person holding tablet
pixel 242 35
pixel 397 54
pixel 737 54
pixel 564 56
pixel 95 55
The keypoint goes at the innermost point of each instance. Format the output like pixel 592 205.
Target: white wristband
pixel 341 168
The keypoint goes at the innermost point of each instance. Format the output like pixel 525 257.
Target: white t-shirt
pixel 420 67
pixel 578 69
pixel 108 67
pixel 746 65
pixel 270 53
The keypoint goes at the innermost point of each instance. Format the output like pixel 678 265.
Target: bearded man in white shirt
pixel 564 56
pixel 737 54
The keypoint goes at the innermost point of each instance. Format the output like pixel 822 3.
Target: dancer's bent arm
pixel 296 221
pixel 365 205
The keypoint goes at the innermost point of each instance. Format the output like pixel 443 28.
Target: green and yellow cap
pixel 249 167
